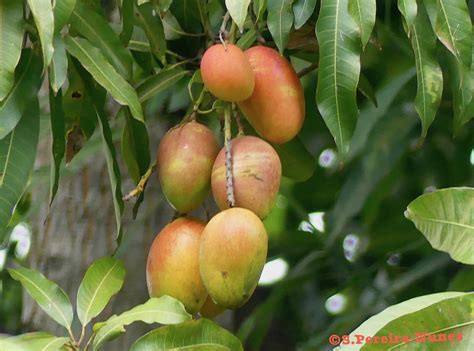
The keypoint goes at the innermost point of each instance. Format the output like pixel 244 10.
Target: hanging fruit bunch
pixel 216 266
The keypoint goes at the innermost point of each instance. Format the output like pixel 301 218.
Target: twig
pixel 223 29
pixel 141 184
pixel 238 120
pixel 228 157
pixel 307 70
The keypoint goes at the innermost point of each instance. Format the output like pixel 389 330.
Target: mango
pixel 276 108
pixel 210 309
pixel 256 170
pixel 233 251
pixel 173 264
pixel 226 73
pixel 184 161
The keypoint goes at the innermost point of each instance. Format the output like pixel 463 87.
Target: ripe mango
pixel 233 252
pixel 276 108
pixel 210 309
pixel 173 264
pixel 184 161
pixel 226 73
pixel 256 170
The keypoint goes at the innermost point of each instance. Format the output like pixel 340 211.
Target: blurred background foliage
pixel 340 247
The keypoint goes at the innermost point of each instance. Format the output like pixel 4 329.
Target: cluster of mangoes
pixel 214 266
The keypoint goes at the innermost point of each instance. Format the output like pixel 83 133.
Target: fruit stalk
pixel 228 157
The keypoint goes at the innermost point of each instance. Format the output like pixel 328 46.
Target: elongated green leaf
pixel 366 89
pixel 279 21
pixel 17 156
pixel 96 29
pixel 163 310
pixel 103 279
pixel 8 345
pixel 58 130
pixel 429 75
pixel 111 159
pixel 386 143
pixel 446 219
pixel 103 72
pixel 461 83
pixel 259 7
pixel 42 11
pixel 27 82
pixel 363 13
pixel 370 115
pixel 246 40
pixel 408 9
pixel 11 37
pixel 39 341
pixel 62 13
pixel 49 296
pixel 238 10
pixel 303 9
pixel 339 68
pixel 202 334
pixel 296 161
pixel 160 82
pixel 135 147
pixel 454 29
pixel 128 19
pixel 436 315
pixel 58 67
pixel 153 28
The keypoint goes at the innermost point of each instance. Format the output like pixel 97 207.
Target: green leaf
pixel 103 279
pixel 187 14
pixel 128 19
pixel 297 162
pixel 238 10
pixel 95 28
pixel 279 21
pixel 363 13
pixel 58 130
pixel 366 89
pixel 153 28
pixel 163 310
pixel 454 29
pixel 58 67
pixel 247 39
pixel 38 341
pixel 17 156
pixel 111 159
pixel 200 334
pixel 303 9
pixel 370 115
pixel 135 147
pixel 42 11
pixel 51 298
pixel 408 9
pixel 27 82
pixel 385 146
pixel 338 74
pixel 8 345
pixel 62 13
pixel 461 82
pixel 429 75
pixel 11 38
pixel 103 72
pixel 436 314
pixel 160 82
pixel 259 7
pixel 446 218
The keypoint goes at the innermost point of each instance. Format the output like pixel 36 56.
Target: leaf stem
pixel 141 184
